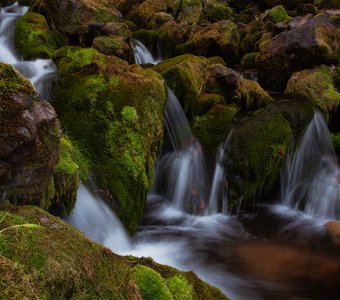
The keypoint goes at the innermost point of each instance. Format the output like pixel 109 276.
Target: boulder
pixel 217 39
pixel 214 11
pixel 34 39
pixel 333 232
pixel 275 14
pixel 29 141
pixel 81 21
pixel 114 111
pixel 52 260
pixel 190 11
pixel 316 42
pixel 316 87
pixel 112 45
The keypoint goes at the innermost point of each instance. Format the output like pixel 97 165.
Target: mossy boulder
pixel 33 38
pixel 66 179
pixel 29 141
pixel 248 60
pixel 159 19
pixel 41 257
pixel 115 112
pixel 190 11
pixel 212 128
pixel 81 21
pixel 217 39
pixel 169 35
pixel 257 149
pixel 185 75
pixel 316 42
pixel 214 11
pixel 112 45
pixel 275 14
pixel 316 87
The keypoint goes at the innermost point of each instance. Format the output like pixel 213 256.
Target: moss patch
pixel 275 14
pixel 33 37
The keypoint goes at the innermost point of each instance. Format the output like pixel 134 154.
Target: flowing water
pixel 311 180
pixel 277 253
pixel 41 72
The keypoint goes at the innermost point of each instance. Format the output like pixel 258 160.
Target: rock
pixel 159 19
pixel 190 11
pixel 212 128
pixel 185 75
pixel 115 112
pixel 258 147
pixel 113 45
pixel 248 60
pixel 54 260
pixel 81 21
pixel 316 87
pixel 214 11
pixel 33 39
pixel 333 231
pixel 275 14
pixel 217 39
pixel 29 141
pixel 316 42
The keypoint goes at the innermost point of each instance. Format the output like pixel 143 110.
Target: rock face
pixel 316 42
pixel 333 231
pixel 29 140
pixel 115 112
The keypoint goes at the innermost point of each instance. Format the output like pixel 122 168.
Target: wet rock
pixel 314 43
pixel 333 231
pixel 113 45
pixel 29 141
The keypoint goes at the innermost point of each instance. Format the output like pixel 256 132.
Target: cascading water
pixel 311 180
pixel 219 185
pixel 40 72
pixel 141 54
pixel 94 218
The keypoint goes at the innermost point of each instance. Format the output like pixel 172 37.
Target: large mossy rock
pixel 217 39
pixel 115 112
pixel 185 75
pixel 49 259
pixel 316 42
pixel 33 39
pixel 81 21
pixel 190 11
pixel 29 141
pixel 214 11
pixel 316 87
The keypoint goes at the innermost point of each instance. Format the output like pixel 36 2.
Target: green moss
pixel 257 150
pixel 315 86
pixel 115 112
pixel 33 37
pixel 275 14
pixel 179 288
pixel 184 74
pixel 249 60
pixel 112 46
pixel 206 102
pixel 190 11
pixel 215 11
pixel 151 284
pixel 16 84
pixel 103 16
pixel 212 128
pixel 216 60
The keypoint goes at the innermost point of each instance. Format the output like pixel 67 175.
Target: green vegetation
pixel 275 14
pixel 249 60
pixel 33 37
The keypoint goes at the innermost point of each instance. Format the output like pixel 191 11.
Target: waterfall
pixel 41 72
pixel 219 184
pixel 311 179
pixel 94 218
pixel 141 54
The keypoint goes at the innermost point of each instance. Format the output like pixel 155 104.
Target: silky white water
pixel 311 178
pixel 41 72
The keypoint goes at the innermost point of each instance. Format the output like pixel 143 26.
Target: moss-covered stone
pixel 65 179
pixel 185 75
pixel 115 112
pixel 212 128
pixel 257 149
pixel 214 11
pixel 315 86
pixel 51 260
pixel 275 14
pixel 217 39
pixel 207 101
pixel 249 60
pixel 112 45
pixel 190 11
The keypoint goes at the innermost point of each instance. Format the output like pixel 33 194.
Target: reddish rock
pixel 333 231
pixel 29 140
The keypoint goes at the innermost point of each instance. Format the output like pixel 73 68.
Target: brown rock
pixel 333 231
